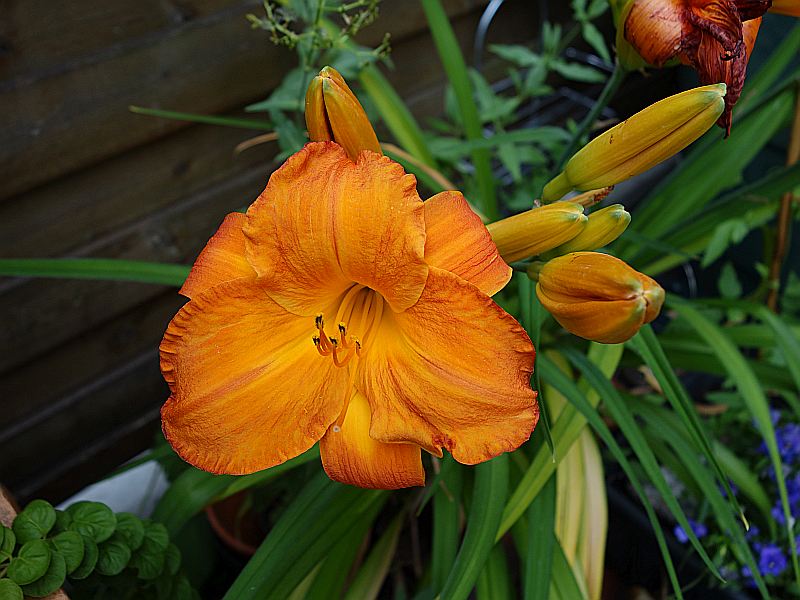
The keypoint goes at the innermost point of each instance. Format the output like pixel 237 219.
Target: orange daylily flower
pixel 342 309
pixel 715 37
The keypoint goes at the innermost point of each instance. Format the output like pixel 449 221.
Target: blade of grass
pixel 570 390
pixel 206 119
pixel 456 69
pixel 627 424
pixel 96 268
pixel 488 499
pixel 746 383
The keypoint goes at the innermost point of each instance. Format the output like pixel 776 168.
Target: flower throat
pixel 358 317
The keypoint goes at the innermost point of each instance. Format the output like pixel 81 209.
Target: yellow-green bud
pixel 537 230
pixel 640 142
pixel 603 227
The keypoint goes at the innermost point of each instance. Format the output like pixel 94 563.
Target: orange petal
pixel 324 222
pixel 249 390
pixel 221 260
pixel 721 19
pixel 655 29
pixel 351 456
pixel 458 241
pixel 453 372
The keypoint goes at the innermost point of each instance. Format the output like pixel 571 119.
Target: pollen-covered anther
pixel 342 348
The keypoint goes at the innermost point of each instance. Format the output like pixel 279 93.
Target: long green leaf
pixel 646 345
pixel 312 525
pixel 456 69
pixel 96 268
pixel 538 572
pixel 564 584
pixel 745 380
pixel 395 114
pixel 787 340
pixel 370 577
pixel 627 424
pixel 193 490
pixel 662 429
pixel 494 582
pixel 446 521
pixel 206 119
pixel 565 431
pixel 488 500
pixel 567 387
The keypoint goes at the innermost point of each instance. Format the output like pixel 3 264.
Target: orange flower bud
pixel 597 296
pixel 333 113
pixel 538 230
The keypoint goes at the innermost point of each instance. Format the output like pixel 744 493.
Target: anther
pixel 334 341
pixel 343 335
pixel 318 321
pixel 318 345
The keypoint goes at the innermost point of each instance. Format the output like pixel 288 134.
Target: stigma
pixel 359 306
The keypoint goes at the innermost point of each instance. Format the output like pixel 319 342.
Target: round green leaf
pixel 131 528
pixel 50 581
pixel 93 520
pixel 7 542
pixel 31 563
pixel 157 534
pixel 148 560
pixel 10 590
pixel 34 522
pixel 69 544
pixel 114 555
pixel 172 559
pixel 91 553
pixel 63 519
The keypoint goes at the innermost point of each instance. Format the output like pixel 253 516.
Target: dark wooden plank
pixel 77 117
pixel 50 383
pixel 126 398
pixel 77 210
pixel 40 314
pixel 41 36
pixel 72 118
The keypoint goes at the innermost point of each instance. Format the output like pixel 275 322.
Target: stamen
pixel 318 345
pixel 343 335
pixel 347 358
pixel 337 424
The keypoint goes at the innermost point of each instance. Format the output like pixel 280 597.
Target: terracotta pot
pixel 238 526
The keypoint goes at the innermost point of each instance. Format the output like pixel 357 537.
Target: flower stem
pixel 612 85
pixel 784 226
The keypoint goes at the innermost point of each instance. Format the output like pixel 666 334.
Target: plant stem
pixel 612 85
pixel 784 226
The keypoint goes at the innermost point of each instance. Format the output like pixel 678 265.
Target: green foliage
pixel 101 553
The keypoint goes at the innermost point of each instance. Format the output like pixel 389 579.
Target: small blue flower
pixel 774 415
pixel 788 438
pixel 771 560
pixel 699 530
pixel 777 513
pixel 753 532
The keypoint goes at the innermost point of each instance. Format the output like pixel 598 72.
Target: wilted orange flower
pixel 343 309
pixel 715 37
